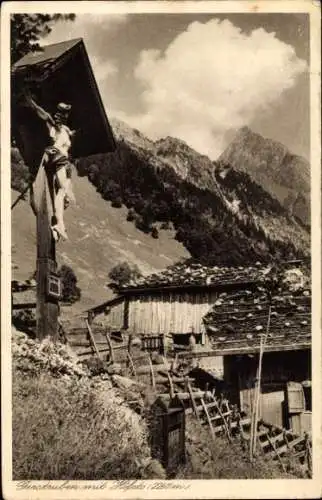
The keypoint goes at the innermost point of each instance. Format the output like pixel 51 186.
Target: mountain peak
pixel 284 175
pixel 245 130
pixel 123 131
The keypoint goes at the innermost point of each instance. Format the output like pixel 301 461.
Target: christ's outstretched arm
pixel 43 115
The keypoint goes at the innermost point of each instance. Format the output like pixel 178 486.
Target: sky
pixel 200 77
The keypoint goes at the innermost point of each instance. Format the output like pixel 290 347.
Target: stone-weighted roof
pixel 238 320
pixel 197 275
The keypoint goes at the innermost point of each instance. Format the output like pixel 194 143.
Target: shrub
pixel 20 175
pixel 31 357
pixel 70 291
pixel 24 320
pixel 122 273
pixel 155 233
pixel 165 225
pixel 130 215
pixel 117 202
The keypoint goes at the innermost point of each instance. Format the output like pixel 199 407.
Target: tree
pixel 122 273
pixel 27 29
pixel 20 175
pixel 70 291
pixel 155 233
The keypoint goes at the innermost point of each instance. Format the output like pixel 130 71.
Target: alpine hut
pixel 174 301
pixel 243 322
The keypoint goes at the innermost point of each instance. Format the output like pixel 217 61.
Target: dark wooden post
pixel 47 307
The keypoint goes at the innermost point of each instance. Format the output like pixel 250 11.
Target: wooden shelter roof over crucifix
pixel 60 72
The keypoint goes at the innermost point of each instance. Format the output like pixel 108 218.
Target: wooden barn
pixel 174 301
pixel 235 326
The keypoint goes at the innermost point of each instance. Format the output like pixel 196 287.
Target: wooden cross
pixel 47 306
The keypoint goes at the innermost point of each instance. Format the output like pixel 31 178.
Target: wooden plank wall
pixel 270 405
pixel 116 316
pixel 169 312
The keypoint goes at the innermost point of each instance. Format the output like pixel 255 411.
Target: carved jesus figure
pixel 57 160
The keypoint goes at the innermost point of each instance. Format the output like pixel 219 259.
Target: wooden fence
pixel 208 408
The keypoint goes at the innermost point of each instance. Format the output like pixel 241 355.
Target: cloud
pixel 212 78
pixel 95 30
pixel 103 69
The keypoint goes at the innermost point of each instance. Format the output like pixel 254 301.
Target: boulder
pixel 125 382
pixel 114 369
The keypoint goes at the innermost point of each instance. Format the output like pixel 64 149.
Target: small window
pixel 54 286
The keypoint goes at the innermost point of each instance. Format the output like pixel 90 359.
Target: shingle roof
pixel 27 297
pixel 19 286
pixel 49 53
pixel 197 275
pixel 104 305
pixel 238 320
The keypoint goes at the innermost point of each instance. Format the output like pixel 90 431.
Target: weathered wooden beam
pixel 153 380
pixel 27 305
pixel 109 343
pixel 284 448
pixel 273 439
pixel 85 343
pixel 184 395
pixel 91 336
pixel 89 352
pixel 47 307
pixel 141 370
pixel 204 406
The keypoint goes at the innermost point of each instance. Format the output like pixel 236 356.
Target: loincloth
pixel 57 160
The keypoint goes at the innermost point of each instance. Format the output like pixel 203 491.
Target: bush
pixel 130 215
pixel 25 320
pixel 155 233
pixel 31 358
pixel 20 175
pixel 70 291
pixel 117 202
pixel 122 273
pixel 143 225
pixel 165 225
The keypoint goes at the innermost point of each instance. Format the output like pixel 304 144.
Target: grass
pixel 207 459
pixel 71 426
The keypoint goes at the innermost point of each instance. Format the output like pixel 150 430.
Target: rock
pixel 157 359
pixel 114 369
pixel 136 342
pixel 124 382
pixel 153 470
